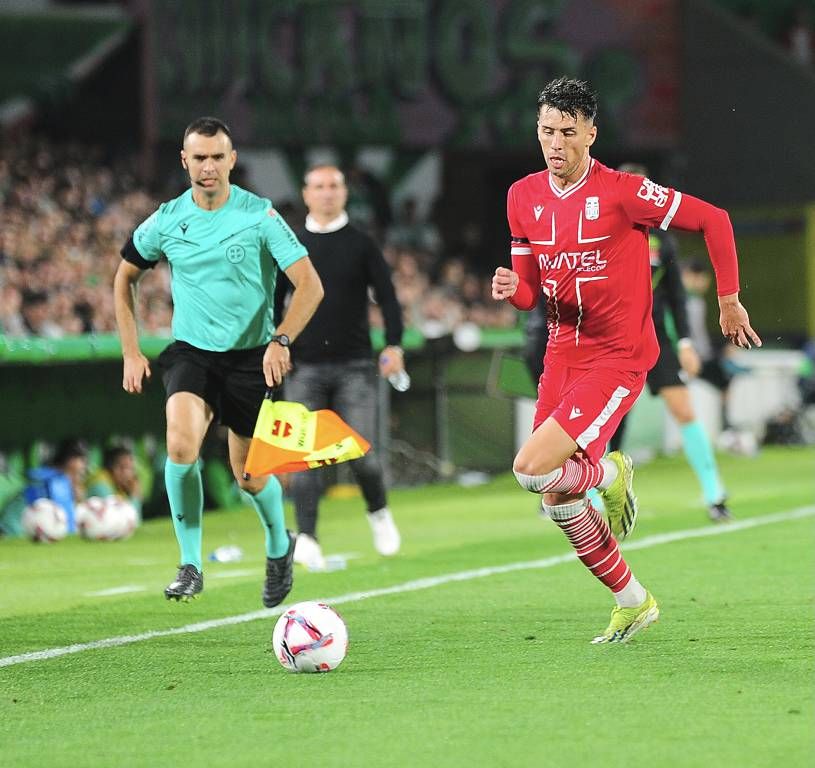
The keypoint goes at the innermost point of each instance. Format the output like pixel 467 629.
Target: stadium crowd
pixel 66 210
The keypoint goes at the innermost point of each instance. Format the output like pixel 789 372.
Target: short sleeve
pixel 280 241
pixel 147 238
pixel 646 202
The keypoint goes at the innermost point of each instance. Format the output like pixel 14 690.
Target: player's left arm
pixel 391 358
pixel 653 205
pixel 306 297
pixel 697 215
pixel 291 256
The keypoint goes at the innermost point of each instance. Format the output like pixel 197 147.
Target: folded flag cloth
pixel 288 438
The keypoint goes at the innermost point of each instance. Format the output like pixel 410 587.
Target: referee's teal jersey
pixel 224 266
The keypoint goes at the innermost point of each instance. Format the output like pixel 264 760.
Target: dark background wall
pixel 747 113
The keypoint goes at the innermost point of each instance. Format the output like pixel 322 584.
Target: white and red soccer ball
pixel 310 637
pixel 105 519
pixel 45 520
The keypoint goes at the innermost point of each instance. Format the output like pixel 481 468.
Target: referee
pixel 226 248
pixel 333 359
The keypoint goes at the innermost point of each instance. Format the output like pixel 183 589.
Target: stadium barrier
pixel 58 389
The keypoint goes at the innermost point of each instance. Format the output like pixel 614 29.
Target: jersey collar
pixel 561 193
pixel 332 226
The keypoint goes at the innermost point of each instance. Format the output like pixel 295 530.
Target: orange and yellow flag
pixel 288 438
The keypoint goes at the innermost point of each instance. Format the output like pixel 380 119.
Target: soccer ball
pixel 125 513
pixel 310 637
pixel 45 520
pixel 105 519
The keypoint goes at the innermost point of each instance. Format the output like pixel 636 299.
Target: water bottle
pixel 226 554
pixel 400 381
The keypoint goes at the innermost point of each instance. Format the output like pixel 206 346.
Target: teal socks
pixel 700 456
pixel 186 496
pixel 268 503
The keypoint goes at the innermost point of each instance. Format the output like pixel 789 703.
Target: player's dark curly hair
pixel 207 126
pixel 571 97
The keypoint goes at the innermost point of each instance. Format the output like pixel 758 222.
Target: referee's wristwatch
pixel 282 339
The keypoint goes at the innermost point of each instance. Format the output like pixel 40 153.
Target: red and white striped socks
pixel 597 549
pixel 575 476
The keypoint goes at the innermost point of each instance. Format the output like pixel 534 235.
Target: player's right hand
pixel 504 283
pixel 276 364
pixel 735 323
pixel 689 360
pixel 136 368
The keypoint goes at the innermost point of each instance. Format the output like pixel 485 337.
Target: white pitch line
pixel 410 586
pixel 116 591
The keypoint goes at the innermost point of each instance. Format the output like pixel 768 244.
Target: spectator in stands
pixel 117 477
pixel 368 202
pixel 62 214
pixel 71 458
pixel 11 318
pixel 64 211
pixel 439 313
pixel 412 232
pixel 37 316
pixel 62 480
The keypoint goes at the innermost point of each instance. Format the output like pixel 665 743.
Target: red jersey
pixel 586 248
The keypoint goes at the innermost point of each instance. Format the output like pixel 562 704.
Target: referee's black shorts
pixel 231 382
pixel 666 372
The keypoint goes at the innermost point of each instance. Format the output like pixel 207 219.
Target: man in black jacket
pixel 332 358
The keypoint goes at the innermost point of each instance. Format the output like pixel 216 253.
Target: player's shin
pixel 268 503
pixel 700 456
pixel 597 549
pixel 186 496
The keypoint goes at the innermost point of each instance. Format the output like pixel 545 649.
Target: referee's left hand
pixel 276 364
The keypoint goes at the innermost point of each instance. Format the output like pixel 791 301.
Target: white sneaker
pixel 386 535
pixel 308 552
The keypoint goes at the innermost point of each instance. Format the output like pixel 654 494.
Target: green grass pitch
pixel 492 668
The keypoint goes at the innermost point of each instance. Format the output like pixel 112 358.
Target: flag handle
pixel 270 395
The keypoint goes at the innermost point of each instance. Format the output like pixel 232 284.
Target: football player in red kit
pixel 579 236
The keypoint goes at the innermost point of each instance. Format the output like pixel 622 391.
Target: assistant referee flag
pixel 289 438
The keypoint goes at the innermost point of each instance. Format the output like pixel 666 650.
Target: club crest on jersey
pixel 537 210
pixel 592 208
pixel 235 254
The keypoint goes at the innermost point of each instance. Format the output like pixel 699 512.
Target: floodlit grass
pixel 488 671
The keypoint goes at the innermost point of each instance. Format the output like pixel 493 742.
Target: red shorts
pixel 588 403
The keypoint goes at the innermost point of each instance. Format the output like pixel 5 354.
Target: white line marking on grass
pixel 410 586
pixel 116 591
